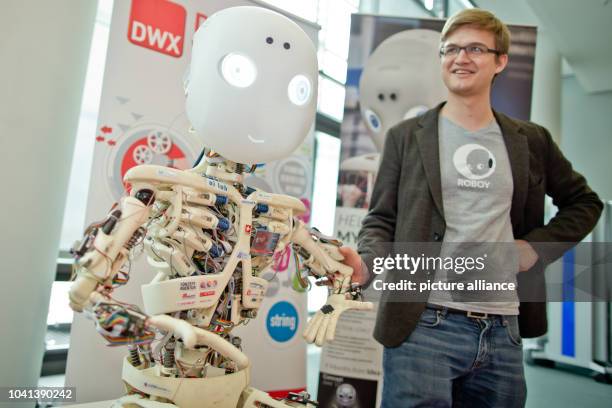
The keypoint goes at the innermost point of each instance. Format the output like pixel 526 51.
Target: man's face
pixel 466 74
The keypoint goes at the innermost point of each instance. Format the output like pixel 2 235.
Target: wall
pixel 586 123
pixel 43 49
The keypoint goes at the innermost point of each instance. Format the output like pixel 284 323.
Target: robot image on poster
pixel 400 80
pixel 208 237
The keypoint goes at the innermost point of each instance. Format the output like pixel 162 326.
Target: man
pixel 444 352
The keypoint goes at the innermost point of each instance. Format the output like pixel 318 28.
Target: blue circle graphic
pixel 282 321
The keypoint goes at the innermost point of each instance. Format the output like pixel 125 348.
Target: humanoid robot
pixel 346 396
pixel 401 79
pixel 250 96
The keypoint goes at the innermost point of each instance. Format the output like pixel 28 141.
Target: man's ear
pixel 501 62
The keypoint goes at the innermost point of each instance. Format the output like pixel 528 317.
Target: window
pixel 327 160
pixel 76 201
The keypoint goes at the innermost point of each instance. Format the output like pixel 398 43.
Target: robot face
pixel 400 80
pixel 479 162
pixel 252 85
pixel 346 395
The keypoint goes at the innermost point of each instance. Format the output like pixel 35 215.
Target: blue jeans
pixel 451 360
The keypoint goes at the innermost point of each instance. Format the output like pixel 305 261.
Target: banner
pixel 142 120
pixel 393 74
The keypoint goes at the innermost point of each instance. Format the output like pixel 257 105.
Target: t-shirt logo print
pixel 476 163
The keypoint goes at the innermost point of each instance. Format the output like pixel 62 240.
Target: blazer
pixel 406 206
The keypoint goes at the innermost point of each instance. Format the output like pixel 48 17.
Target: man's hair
pixel 480 19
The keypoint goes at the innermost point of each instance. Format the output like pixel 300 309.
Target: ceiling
pixel 580 29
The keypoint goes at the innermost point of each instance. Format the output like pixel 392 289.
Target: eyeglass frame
pixel 486 49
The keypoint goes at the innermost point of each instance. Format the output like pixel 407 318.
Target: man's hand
pixel 352 259
pixel 527 256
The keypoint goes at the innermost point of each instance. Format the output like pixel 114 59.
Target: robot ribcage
pixel 192 233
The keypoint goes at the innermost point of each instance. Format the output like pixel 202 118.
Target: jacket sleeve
pixel 579 207
pixel 378 225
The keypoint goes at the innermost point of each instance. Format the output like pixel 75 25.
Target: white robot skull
pixel 346 396
pixel 400 80
pixel 251 91
pixel 208 237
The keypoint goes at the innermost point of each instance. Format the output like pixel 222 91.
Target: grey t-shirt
pixel 477 195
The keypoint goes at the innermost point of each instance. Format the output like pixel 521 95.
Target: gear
pixel 159 142
pixel 142 155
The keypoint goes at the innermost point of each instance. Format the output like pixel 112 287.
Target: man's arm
pixel 378 225
pixel 579 206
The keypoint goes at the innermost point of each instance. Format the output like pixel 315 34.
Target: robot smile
pixel 252 139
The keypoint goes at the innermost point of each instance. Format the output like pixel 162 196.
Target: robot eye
pixel 381 97
pixel 299 90
pixel 238 70
pixel 269 40
pixel 373 120
pixel 393 96
pixel 287 45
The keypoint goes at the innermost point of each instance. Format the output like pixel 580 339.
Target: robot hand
pixel 322 257
pixel 322 327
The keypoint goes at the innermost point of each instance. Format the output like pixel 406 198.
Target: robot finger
pixel 322 329
pixel 311 328
pixel 324 282
pixel 357 305
pixel 330 333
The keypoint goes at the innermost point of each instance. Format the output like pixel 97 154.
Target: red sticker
pixel 158 25
pixel 247 228
pixel 281 259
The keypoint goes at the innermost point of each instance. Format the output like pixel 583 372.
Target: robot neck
pixel 214 165
pixel 228 171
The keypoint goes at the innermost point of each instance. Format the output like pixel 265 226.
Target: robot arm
pixel 124 320
pixel 322 257
pixel 106 245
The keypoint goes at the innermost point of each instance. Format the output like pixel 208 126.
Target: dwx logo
pixel 282 321
pixel 475 163
pixel 158 25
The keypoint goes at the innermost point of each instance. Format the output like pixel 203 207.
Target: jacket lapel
pixel 518 154
pixel 427 140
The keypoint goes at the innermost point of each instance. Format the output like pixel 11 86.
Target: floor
pixel 547 387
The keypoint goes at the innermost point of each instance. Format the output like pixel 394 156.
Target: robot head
pixel 252 84
pixel 474 162
pixel 401 79
pixel 346 395
pixel 479 162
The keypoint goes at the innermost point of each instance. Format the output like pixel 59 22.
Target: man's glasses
pixel 473 50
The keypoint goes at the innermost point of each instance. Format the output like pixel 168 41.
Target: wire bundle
pixel 121 326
